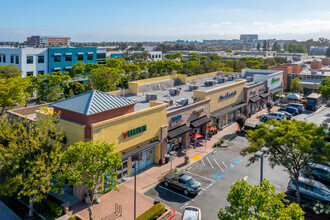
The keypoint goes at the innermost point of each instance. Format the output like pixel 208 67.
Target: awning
pixel 80 53
pixel 276 90
pixel 140 149
pixel 57 69
pixel 57 54
pixel 264 95
pixel 178 131
pixel 196 135
pixel 68 54
pixel 200 121
pixel 89 52
pixel 227 110
pixel 211 128
pixel 255 99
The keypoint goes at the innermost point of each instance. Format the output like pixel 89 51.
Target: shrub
pixel 56 209
pixel 222 141
pixel 153 213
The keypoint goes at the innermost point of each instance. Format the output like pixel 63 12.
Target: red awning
pixel 211 128
pixel 196 135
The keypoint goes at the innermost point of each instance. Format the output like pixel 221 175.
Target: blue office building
pixel 62 59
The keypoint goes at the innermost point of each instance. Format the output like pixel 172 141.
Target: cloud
pixel 290 29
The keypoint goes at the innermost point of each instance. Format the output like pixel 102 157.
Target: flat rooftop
pixel 163 95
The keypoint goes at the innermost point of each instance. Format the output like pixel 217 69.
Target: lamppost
pixel 134 166
pixel 260 154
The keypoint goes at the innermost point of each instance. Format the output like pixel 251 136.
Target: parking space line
pixel 200 176
pixel 214 169
pixel 225 165
pixel 210 162
pixel 218 165
pixel 203 161
pixel 175 193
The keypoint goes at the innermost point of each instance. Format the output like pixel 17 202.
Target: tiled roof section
pixel 92 102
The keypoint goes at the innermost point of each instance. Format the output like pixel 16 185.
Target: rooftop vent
pixel 249 78
pixel 183 101
pixel 193 87
pixel 151 97
pixel 174 91
pixel 169 102
pixel 209 82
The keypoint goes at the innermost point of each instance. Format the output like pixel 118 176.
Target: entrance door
pixel 150 157
pixel 143 161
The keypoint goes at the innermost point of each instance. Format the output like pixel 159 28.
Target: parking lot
pixel 217 172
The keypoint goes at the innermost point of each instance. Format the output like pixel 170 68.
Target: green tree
pixel 291 144
pixel 327 52
pixel 292 48
pixel 296 85
pixel 141 63
pixel 50 87
pixel 174 56
pixel 215 57
pixel 276 46
pixel 258 46
pixel 87 163
pixel 132 70
pixel 78 70
pixel 258 202
pixel 325 89
pixel 194 56
pixel 114 63
pixel 104 79
pixel 74 88
pixel 301 49
pixel 191 68
pixel 12 88
pixel 90 66
pixel 29 157
pixel 264 45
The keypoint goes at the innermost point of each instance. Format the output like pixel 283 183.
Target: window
pixel 29 59
pixel 12 57
pixel 182 182
pixel 29 73
pixel 0 58
pixel 68 57
pixel 41 72
pixel 57 58
pixel 4 58
pixel 90 56
pixel 41 59
pixel 80 56
pixel 17 60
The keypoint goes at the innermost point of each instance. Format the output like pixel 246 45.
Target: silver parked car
pixel 311 189
pixel 182 182
pixel 191 213
pixel 274 115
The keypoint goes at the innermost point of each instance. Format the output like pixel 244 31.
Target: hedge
pixel 56 209
pixel 153 213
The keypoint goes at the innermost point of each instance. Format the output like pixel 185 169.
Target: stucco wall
pixel 255 90
pixel 214 95
pixel 112 130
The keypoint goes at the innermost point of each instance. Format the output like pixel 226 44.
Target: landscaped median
pixel 159 212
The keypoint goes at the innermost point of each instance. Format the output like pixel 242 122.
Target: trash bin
pixel 186 159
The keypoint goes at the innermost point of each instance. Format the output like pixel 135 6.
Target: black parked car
pixel 289 109
pixel 300 107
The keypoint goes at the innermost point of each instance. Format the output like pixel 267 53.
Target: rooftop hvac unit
pixel 169 102
pixel 313 72
pixel 182 101
pixel 230 77
pixel 249 78
pixel 177 91
pixel 172 92
pixel 151 97
pixel 209 83
pixel 193 87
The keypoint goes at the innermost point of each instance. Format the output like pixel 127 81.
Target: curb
pixel 173 214
pixel 314 216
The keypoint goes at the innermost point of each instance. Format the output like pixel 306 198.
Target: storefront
pixel 182 123
pixel 256 97
pixel 227 102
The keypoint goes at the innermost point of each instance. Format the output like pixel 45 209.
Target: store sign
pixel 135 131
pixel 176 120
pixel 274 80
pixel 199 111
pixel 228 95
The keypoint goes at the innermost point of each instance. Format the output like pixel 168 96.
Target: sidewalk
pixel 150 178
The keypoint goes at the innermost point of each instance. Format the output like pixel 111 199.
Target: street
pixel 317 117
pixel 217 172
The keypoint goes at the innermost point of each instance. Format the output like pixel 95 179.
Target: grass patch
pixel 153 213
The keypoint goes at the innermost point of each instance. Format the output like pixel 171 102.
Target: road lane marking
pixel 224 164
pixel 218 165
pixel 245 178
pixel 210 162
pixel 200 176
pixel 175 193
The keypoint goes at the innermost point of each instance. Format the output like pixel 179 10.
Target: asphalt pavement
pixel 217 172
pixel 317 117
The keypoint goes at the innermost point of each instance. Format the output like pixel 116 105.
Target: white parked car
pixel 191 213
pixel 274 115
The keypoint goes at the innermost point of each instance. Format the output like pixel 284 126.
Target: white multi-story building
pixel 156 55
pixel 31 61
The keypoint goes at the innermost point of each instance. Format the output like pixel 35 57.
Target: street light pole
pixel 135 190
pixel 260 154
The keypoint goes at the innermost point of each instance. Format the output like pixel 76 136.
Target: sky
pixel 160 20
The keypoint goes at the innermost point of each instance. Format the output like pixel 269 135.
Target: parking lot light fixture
pixel 260 154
